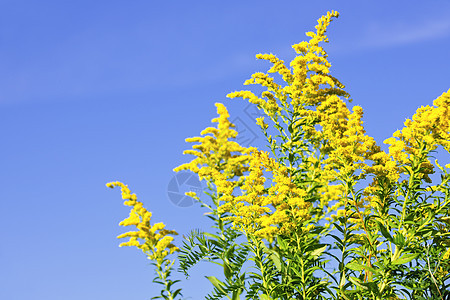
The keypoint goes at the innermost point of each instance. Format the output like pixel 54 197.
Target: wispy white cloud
pixel 402 33
pixel 378 34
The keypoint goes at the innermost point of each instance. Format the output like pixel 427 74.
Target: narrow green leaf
pixel 216 282
pixel 227 270
pixel 405 258
pixel 230 251
pixel 264 247
pixel 339 228
pixel 399 239
pixel 212 235
pixel 236 295
pixel 338 239
pixel 384 232
pixel 359 267
pixel 342 282
pixel 177 292
pixel 357 282
pixel 282 243
pixel 264 297
pixel 290 128
pixel 316 253
pixel 354 266
pixel 276 260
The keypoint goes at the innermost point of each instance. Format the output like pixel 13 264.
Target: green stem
pixel 162 274
pixel 410 183
pixel 431 274
pixel 260 264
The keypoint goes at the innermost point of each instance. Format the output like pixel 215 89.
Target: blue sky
pixel 96 91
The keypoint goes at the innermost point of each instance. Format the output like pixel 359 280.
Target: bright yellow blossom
pixel 217 153
pixel 152 243
pixel 266 212
pixel 310 102
pixel 429 128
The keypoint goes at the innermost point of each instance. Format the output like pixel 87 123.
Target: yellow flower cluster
pixel 446 254
pixel 305 80
pixel 220 160
pixel 312 82
pixel 155 239
pixel 251 212
pixel 327 138
pixel 217 155
pixel 260 122
pixel 347 145
pixel 312 99
pixel 429 128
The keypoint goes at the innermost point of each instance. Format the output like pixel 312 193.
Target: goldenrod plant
pixel 325 213
pixel 153 240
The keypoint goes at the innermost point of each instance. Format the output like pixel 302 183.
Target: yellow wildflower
pixel 154 244
pixel 217 153
pixel 260 122
pixel 251 212
pixel 429 128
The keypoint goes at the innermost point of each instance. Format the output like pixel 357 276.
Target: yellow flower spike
pixel 157 226
pixel 132 242
pixel 217 154
pixel 278 66
pixel 192 195
pixel 250 213
pixel 163 243
pixel 430 127
pixel 173 249
pixel 130 234
pixel 133 219
pixel 152 243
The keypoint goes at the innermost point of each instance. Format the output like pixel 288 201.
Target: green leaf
pixel 373 287
pixel 282 243
pixel 264 297
pixel 399 239
pixel 384 232
pixel 357 282
pixel 236 294
pixel 316 253
pixel 355 266
pixel 290 128
pixel 338 239
pixel 230 251
pixel 342 282
pixel 216 282
pixel 264 247
pixel 339 228
pixel 212 235
pixel 276 260
pixel 405 258
pixel 227 270
pixel 176 293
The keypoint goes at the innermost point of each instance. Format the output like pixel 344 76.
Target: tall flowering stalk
pixel 222 163
pixel 325 213
pixel 154 240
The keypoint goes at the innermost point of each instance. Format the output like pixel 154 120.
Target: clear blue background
pixel 95 91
